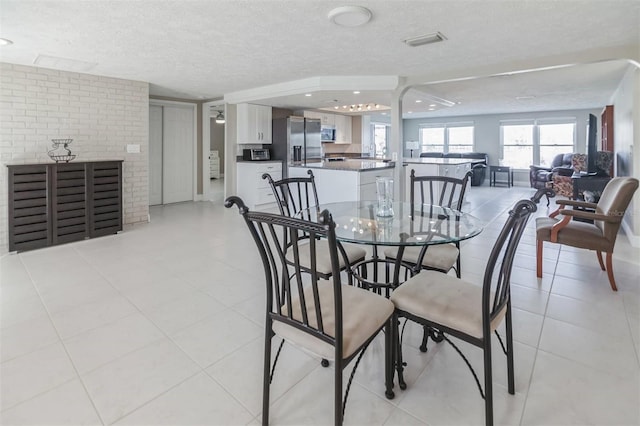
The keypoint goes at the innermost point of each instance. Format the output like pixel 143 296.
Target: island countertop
pixel 442 161
pixel 348 165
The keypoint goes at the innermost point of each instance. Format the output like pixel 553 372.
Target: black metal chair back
pixel 438 190
pixel 295 195
pixel 269 231
pixel 500 262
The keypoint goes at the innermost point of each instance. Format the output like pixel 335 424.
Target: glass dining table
pixel 410 225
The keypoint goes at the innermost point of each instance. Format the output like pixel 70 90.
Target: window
pixel 536 141
pixel 555 139
pixel 380 139
pixel 517 145
pixel 451 137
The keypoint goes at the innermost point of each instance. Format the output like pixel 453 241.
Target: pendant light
pixel 220 118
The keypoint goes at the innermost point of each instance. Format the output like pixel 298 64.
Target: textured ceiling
pixel 200 49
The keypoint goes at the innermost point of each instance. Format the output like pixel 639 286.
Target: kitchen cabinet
pixel 255 191
pixel 57 203
pixel 343 129
pixel 253 124
pixel 367 189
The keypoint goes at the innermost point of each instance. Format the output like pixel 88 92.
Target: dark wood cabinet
pixel 606 120
pixel 58 203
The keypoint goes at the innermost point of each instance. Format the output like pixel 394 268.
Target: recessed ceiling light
pixel 307 94
pixel 356 92
pixel 418 101
pixel 409 112
pixel 350 16
pixel 432 105
pixel 431 109
pixel 425 39
pixel 5 42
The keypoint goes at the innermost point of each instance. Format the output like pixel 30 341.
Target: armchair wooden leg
pixel 599 253
pixel 539 258
pixel 612 281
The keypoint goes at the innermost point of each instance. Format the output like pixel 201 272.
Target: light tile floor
pixel 162 324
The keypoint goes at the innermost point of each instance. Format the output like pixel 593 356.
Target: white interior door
pixel 177 154
pixel 155 155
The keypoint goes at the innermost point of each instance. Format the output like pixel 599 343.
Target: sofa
pixel 478 164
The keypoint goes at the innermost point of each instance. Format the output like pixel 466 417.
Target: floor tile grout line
pixel 64 346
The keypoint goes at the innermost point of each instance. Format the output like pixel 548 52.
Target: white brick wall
pixel 101 114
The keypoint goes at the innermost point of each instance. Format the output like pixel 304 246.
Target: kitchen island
pixel 346 180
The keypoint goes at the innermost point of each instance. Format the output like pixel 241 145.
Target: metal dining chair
pixel 326 318
pixel 466 310
pixel 442 191
pixel 297 196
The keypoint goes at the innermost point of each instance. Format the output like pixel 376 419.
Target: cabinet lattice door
pixel 29 225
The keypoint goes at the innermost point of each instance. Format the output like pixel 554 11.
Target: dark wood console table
pixel 56 203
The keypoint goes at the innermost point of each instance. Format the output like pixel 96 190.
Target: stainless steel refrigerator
pixel 293 131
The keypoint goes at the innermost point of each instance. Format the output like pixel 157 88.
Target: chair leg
pixel 397 352
pixel 337 397
pixel 599 254
pixel 266 373
pixel 511 383
pixel 389 337
pixel 539 258
pixel 612 281
pixel 488 383
pixel 425 338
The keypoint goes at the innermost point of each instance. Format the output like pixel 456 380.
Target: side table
pixel 500 169
pixel 588 183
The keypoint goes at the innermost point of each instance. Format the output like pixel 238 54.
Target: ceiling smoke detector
pixel 425 39
pixel 350 16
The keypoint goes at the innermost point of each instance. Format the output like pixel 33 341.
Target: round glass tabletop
pixel 422 224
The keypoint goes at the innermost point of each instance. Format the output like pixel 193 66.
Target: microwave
pixel 259 154
pixel 327 134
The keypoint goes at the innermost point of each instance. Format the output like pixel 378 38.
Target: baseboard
pixel 634 239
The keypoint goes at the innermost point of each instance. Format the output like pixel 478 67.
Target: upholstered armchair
pixel 562 183
pixel 541 176
pixel 564 226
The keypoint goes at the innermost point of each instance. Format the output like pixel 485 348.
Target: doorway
pixel 171 152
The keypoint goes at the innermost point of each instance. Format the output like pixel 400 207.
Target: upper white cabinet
pixel 254 124
pixel 343 128
pixel 326 119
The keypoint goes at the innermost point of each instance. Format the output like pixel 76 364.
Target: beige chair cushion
pixel 575 234
pixel 440 256
pixel 445 300
pixel 323 265
pixel 363 314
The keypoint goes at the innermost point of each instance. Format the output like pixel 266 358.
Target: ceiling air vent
pixel 425 39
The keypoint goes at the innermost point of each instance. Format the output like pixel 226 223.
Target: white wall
pixel 102 115
pixel 626 136
pixel 487 131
